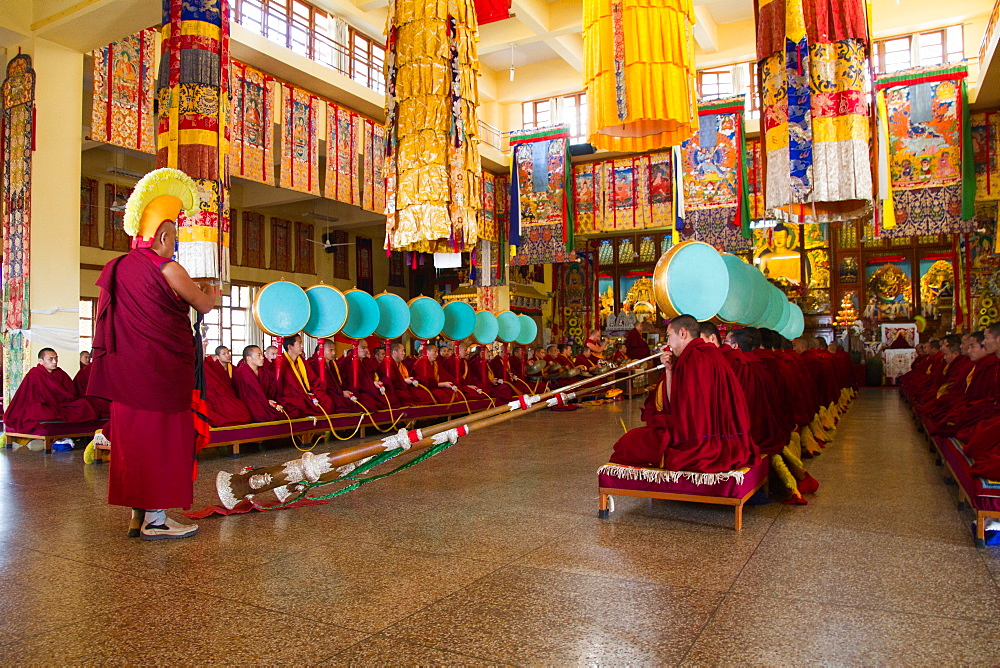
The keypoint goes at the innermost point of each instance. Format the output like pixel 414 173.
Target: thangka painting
pixel 716 199
pixel 488 220
pixel 574 296
pixel 623 194
pixel 815 117
pixel 937 282
pixel 88 213
pixel 983 265
pixel 299 140
pixel 541 225
pixel 17 108
pixel 926 115
pixel 253 240
pixel 986 148
pixel 373 197
pixel 755 180
pixel 890 288
pixel 251 148
pixel 124 89
pixel 343 143
pixel 281 244
pixel 305 249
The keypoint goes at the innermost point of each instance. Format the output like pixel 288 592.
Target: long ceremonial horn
pixel 313 468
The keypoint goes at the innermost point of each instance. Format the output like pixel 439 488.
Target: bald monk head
pixel 800 345
pixel 745 339
pixel 329 351
pixel 834 347
pixel 991 338
pixel 976 349
pixel 710 333
pixel 445 351
pixel 681 331
pixel 363 350
pixel 254 358
pixel 293 346
pixel 932 346
pixel 462 350
pixel 378 354
pixel 951 347
pixel 769 339
pixel 224 354
pixel 518 352
pixel 271 353
pixel 85 358
pixel 48 358
pixel 966 343
pixel 552 350
pixel 397 352
pixel 431 351
pixel 817 343
pixel 566 349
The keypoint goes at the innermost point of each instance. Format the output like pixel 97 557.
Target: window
pixel 88 308
pixel 309 32
pixel 935 47
pixel 738 79
pixel 226 325
pixel 715 83
pixel 569 109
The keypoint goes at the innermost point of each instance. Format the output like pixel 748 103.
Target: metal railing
pixel 988 35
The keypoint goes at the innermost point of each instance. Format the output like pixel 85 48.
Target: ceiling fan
pixel 329 244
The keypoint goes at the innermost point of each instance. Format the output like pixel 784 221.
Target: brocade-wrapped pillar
pixel 192 125
pixel 432 151
pixel 639 73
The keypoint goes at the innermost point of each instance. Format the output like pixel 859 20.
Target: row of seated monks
pixel 261 389
pixel 721 405
pixel 953 388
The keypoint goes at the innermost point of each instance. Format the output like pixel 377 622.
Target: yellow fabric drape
pixel 658 94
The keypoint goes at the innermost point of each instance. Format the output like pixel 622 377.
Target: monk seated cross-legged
pixel 298 386
pixel 46 394
pixel 223 406
pixel 255 387
pixel 402 389
pixel 696 419
pixel 359 376
pixel 82 379
pixel 427 372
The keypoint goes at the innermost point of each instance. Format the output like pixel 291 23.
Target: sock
pixel 155 517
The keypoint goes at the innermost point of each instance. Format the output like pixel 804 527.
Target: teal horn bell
pixel 508 326
pixel 529 330
pixel 426 318
pixel 393 316
pixel 459 321
pixel 486 329
pixel 362 315
pixel 281 309
pixel 328 311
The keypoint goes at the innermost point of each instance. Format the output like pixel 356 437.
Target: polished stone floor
pixel 492 553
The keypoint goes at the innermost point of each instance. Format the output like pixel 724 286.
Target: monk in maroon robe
pixel 454 367
pixel 224 407
pixel 635 343
pixel 401 388
pixel 80 382
pixel 144 363
pixel 254 388
pixel 359 375
pixel 945 416
pixel 425 370
pixel 46 394
pixel 956 368
pixel 298 388
pixel 481 375
pixel 513 370
pixel 326 368
pixel 698 419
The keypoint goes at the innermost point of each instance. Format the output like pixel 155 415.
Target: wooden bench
pixel 50 432
pixel 732 488
pixel 981 495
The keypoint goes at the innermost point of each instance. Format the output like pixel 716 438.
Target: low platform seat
pixel 729 488
pixel 981 494
pixel 50 432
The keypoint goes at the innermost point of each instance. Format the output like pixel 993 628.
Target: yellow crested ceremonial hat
pixel 158 196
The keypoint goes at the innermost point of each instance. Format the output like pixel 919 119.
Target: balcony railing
pixel 988 35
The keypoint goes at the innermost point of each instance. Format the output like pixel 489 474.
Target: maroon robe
pixel 481 375
pixel 427 374
pixel 224 407
pixel 400 393
pixel 455 369
pixel 358 376
pixel 635 345
pixel 80 382
pixel 770 426
pixel 45 396
pixel 978 403
pixel 329 379
pixel 517 378
pixel 704 427
pixel 954 375
pixel 252 391
pixel 294 394
pixel 144 361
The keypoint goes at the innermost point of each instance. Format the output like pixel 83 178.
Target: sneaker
pixel 168 529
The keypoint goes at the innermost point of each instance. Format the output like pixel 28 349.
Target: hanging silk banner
pixel 342 145
pixel 17 143
pixel 499 253
pixel 986 148
pixel 815 117
pixel 716 198
pixel 755 177
pixel 929 152
pixel 488 221
pixel 299 140
pixel 639 73
pixel 432 163
pixel 623 194
pixel 373 197
pixel 541 225
pixel 587 183
pixel 192 132
pixel 124 90
pixel 251 152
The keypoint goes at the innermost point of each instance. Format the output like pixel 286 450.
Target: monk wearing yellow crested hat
pixel 143 313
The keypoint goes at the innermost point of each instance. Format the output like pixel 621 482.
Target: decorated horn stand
pixel 233 487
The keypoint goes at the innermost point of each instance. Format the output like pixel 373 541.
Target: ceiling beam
pixel 706 31
pixel 569 48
